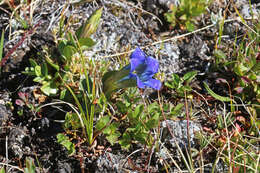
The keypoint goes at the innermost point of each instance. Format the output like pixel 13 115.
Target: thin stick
pixel 170 39
pixel 173 136
pixel 6 150
pixel 144 11
pixel 15 167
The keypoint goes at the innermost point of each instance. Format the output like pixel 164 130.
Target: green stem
pixel 79 106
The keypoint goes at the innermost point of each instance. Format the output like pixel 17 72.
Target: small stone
pixel 179 130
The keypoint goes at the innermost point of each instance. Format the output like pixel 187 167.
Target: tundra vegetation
pixel 100 107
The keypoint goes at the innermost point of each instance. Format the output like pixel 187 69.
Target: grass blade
pixel 216 96
pixel 2 45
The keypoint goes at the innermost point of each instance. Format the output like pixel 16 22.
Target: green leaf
pixel 102 122
pixel 64 140
pixel 256 67
pixel 68 52
pixel 33 62
pixel 190 26
pixel 65 94
pixel 183 17
pixel 176 80
pixel 170 17
pixel 112 128
pixel 175 83
pixel 122 108
pixel 186 88
pixel 72 120
pixel 72 42
pixel 189 76
pixel 114 80
pixel 38 71
pixel 49 88
pixel 177 109
pixel 137 112
pixel 62 44
pixel 198 10
pixel 166 107
pixel 90 26
pixel 169 85
pixel 154 107
pixel 38 79
pixel 141 136
pixel 44 70
pixel 219 54
pixel 23 23
pixel 86 43
pixel 84 85
pixel 125 142
pixel 153 122
pixel 113 137
pixel 51 63
pixel 216 96
pixel 1 45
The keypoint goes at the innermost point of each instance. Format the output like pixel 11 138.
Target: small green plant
pixel 184 14
pixel 181 84
pixel 244 67
pixel 65 141
pixel 238 129
pixel 84 91
pixel 87 90
pixel 247 68
pixel 66 76
pixel 239 151
pixel 43 76
pixel 22 101
pixel 138 121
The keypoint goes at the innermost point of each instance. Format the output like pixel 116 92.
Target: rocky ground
pixel 124 25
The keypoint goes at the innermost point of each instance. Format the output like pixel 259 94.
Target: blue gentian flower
pixel 143 68
pixel 139 72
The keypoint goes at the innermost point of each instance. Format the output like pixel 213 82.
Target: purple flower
pixel 143 68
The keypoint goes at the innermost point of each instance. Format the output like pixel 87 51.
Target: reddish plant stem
pixel 18 44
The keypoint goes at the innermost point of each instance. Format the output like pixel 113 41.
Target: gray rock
pixel 4 114
pixel 16 139
pixel 246 8
pixel 168 2
pixel 116 32
pixel 179 131
pixel 108 162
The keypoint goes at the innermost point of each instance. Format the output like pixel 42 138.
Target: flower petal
pixel 152 65
pixel 140 84
pixel 153 83
pixel 137 58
